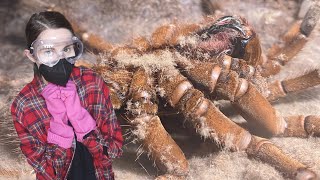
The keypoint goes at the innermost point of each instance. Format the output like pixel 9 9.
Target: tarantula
pixel 192 65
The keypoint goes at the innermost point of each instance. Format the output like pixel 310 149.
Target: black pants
pixel 82 165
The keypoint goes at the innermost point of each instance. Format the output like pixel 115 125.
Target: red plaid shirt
pixel 31 120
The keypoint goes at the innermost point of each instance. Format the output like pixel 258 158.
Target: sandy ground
pixel 270 19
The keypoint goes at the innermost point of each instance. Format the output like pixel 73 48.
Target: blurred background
pixel 118 22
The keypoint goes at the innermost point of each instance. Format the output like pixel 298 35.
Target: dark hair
pixel 45 20
pixel 39 22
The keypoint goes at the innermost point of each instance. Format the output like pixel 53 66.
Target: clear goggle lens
pixel 49 52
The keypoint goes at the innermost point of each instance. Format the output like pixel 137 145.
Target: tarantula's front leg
pixel 212 124
pixel 148 128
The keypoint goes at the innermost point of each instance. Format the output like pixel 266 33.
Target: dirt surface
pixel 118 22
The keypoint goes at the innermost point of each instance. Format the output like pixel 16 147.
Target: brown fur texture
pixel 270 20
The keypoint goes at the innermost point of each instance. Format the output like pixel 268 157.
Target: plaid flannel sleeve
pixel 110 127
pixel 40 155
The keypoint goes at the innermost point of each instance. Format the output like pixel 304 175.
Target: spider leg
pixel 302 126
pixel 294 41
pixel 280 89
pixel 210 123
pixel 252 105
pixel 272 91
pixel 150 132
pixel 118 81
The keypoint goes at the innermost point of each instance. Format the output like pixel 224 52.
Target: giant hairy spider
pixel 192 65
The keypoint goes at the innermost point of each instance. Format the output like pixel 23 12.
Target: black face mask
pixel 58 74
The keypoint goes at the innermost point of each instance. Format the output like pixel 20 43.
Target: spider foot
pixel 305 174
pixel 159 145
pixel 265 151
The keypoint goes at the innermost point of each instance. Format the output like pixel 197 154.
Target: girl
pixel 64 117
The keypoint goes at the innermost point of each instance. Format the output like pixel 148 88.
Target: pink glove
pixel 59 132
pixel 79 117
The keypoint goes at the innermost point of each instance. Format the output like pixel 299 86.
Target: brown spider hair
pixel 39 22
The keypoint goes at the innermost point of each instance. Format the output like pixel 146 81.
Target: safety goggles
pixel 50 51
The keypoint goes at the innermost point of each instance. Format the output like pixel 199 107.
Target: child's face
pixel 53 45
